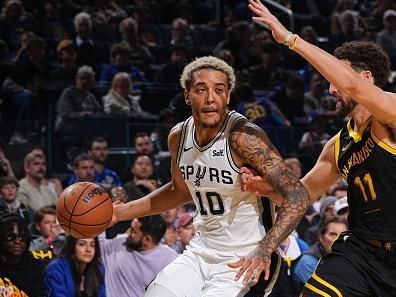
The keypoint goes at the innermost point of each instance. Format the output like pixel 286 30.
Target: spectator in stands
pixel 79 272
pixel 313 140
pixel 23 82
pixel 118 195
pixel 98 149
pixel 226 56
pixel 317 96
pixel 119 101
pixel 326 211
pixel 140 247
pixel 67 70
pixel 44 219
pixel 77 102
pixel 89 52
pixel 349 21
pixel 120 62
pixel 328 233
pixel 24 39
pixel 49 180
pixel 32 190
pixel 238 43
pixel 180 35
pixel 140 55
pixel 144 145
pixel 20 273
pixel 5 164
pixel 170 72
pixel 142 181
pixel 170 237
pixel 84 169
pixel 106 12
pixel 269 73
pixel 290 98
pixel 341 207
pixel 387 37
pixel 8 194
pixel 14 19
pixel 185 230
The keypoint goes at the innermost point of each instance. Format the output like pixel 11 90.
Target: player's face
pixel 99 151
pixel 85 250
pixel 85 170
pixel 186 233
pixel 208 98
pixel 135 236
pixel 45 225
pixel 36 168
pixel 333 230
pixel 143 145
pixel 9 192
pixel 142 168
pixel 15 243
pixel 344 104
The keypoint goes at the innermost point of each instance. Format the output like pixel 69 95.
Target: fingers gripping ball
pixel 84 210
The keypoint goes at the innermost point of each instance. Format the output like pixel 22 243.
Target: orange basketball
pixel 84 210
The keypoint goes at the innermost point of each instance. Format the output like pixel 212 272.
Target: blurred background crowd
pixel 89 90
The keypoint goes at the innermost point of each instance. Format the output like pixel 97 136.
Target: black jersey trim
pixel 182 140
pixel 218 135
pixel 382 144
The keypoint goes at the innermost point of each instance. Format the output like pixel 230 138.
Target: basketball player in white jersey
pixel 231 247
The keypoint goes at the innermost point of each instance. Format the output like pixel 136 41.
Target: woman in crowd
pixel 78 273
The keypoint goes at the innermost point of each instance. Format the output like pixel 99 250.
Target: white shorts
pixel 203 272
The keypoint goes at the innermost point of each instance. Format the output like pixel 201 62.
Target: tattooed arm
pixel 251 147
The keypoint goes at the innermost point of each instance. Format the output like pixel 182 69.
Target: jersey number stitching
pixel 210 196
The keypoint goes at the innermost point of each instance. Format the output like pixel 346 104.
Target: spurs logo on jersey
pixel 226 217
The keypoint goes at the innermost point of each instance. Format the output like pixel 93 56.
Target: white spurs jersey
pixel 227 218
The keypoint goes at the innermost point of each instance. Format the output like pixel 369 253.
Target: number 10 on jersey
pixel 214 202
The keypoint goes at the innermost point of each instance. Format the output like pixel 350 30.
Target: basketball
pixel 84 210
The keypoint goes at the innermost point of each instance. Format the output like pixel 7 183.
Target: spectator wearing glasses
pixel 20 273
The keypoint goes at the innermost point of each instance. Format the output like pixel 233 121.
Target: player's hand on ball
pixel 252 265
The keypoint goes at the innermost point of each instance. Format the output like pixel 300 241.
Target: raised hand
pixel 263 15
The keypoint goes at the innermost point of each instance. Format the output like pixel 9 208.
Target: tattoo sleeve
pixel 252 147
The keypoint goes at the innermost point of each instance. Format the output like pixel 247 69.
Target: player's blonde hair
pixel 207 62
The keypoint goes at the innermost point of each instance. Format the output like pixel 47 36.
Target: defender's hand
pixel 263 15
pixel 254 264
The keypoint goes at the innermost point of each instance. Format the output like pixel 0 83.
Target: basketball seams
pixel 81 214
pixel 75 203
pixel 89 225
pixel 63 196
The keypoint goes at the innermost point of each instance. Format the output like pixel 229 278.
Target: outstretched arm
pixel 169 196
pixel 340 74
pixel 316 181
pixel 251 147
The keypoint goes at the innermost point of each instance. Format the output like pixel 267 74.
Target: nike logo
pixel 344 148
pixel 187 149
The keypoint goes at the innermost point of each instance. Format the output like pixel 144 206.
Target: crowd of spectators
pixel 81 78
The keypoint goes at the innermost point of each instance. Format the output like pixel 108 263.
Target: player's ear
pixel 367 75
pixel 186 97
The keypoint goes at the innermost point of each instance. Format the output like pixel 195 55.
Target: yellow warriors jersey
pixel 226 218
pixel 369 167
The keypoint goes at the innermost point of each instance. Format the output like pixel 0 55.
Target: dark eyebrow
pixel 203 83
